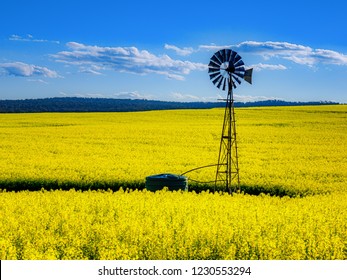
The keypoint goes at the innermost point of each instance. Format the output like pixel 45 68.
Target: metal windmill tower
pixel 225 69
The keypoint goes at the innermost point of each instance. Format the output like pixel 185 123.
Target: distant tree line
pixel 78 104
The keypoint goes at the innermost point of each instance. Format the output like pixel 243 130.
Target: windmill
pixel 226 68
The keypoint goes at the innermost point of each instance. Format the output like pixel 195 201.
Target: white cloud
pixel 330 57
pixel 249 98
pixel 126 59
pixel 261 66
pixel 297 53
pixel 177 96
pixel 131 95
pixel 93 69
pixel 20 69
pixel 185 97
pixel 37 81
pixel 89 71
pixel 174 76
pixel 179 51
pixel 273 48
pixel 119 95
pixel 93 95
pixel 30 38
pixel 213 47
pixel 84 95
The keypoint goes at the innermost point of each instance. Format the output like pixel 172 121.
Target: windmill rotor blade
pixel 213 64
pixel 217 80
pixel 216 60
pixel 239 69
pixel 237 58
pixel 239 63
pixel 227 54
pixel 220 82
pixel 212 70
pixel 212 76
pixel 214 67
pixel 223 54
pixel 236 79
pixel 248 75
pixel 232 57
pixel 224 85
pixel 239 74
pixel 219 56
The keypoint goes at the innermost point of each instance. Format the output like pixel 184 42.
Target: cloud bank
pixel 126 59
pixel 30 38
pixel 20 69
pixel 296 53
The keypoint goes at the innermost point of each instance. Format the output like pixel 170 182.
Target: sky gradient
pixel 160 50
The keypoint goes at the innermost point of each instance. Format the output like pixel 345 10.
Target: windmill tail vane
pixel 226 69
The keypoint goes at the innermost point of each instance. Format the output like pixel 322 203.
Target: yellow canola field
pixel 296 151
pixel 283 150
pixel 171 225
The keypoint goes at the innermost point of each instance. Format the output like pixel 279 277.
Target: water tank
pixel 172 181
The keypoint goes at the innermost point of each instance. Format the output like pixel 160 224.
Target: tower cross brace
pixel 228 167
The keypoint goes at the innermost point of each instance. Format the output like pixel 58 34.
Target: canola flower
pixel 170 225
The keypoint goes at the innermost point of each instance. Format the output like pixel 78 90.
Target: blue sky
pixel 160 49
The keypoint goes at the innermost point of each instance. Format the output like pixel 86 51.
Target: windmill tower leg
pixel 228 167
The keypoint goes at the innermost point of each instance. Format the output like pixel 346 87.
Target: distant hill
pixel 77 104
